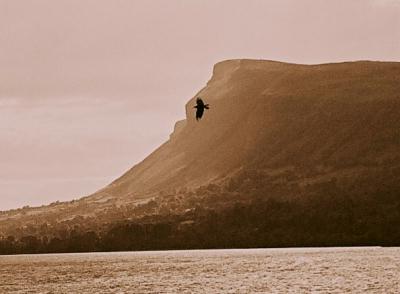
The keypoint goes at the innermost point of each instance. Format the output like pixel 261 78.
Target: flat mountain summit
pixel 274 130
pixel 274 115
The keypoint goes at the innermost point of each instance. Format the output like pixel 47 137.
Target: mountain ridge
pixel 274 130
pixel 226 75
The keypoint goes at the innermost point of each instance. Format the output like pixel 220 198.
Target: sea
pixel 289 270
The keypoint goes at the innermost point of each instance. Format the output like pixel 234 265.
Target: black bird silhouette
pixel 200 108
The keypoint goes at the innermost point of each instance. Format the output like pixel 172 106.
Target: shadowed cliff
pixel 267 114
pixel 287 155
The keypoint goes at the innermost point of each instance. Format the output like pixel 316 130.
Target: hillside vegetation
pixel 288 155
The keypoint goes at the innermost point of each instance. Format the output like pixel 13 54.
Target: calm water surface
pixel 299 270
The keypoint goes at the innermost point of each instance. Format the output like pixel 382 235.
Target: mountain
pixel 274 130
pixel 277 115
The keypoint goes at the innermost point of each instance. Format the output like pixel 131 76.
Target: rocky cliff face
pixel 273 115
pixel 272 129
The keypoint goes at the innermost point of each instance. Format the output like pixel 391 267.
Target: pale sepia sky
pixel 90 87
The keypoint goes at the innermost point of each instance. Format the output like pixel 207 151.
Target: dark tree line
pixel 246 212
pixel 317 221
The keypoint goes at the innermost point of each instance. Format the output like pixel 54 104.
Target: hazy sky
pixel 88 88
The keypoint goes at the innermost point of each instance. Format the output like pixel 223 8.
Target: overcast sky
pixel 88 88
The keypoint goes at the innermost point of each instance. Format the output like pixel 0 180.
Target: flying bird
pixel 200 106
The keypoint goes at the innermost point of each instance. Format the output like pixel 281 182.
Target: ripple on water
pixel 294 270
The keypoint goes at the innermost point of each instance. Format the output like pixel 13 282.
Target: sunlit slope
pixel 273 130
pixel 273 115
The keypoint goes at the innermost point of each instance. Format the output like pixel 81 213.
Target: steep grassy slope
pixel 273 129
pixel 277 115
